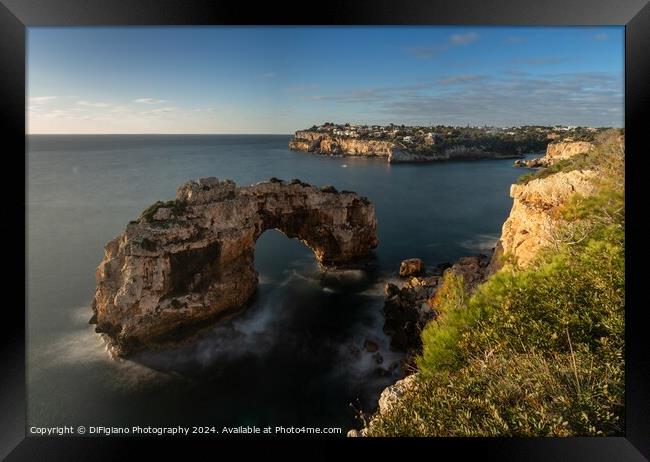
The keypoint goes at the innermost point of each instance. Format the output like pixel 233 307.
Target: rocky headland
pixel 532 224
pixel 395 151
pixel 556 152
pixel 188 262
pixel 400 144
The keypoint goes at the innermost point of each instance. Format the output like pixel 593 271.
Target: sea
pixel 296 356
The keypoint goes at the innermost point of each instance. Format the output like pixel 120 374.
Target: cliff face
pixel 190 261
pixel 534 215
pixel 327 144
pixel 323 143
pixel 556 152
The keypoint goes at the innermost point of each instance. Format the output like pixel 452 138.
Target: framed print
pixel 383 225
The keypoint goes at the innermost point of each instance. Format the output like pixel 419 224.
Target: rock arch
pixel 189 262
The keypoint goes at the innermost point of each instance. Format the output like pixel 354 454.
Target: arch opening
pixel 191 261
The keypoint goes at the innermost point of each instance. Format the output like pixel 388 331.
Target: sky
pixel 282 79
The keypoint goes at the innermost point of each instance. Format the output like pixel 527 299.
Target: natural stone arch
pixel 189 262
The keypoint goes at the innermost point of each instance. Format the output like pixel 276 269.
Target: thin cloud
pixel 426 52
pixel 149 101
pixel 161 110
pixel 301 88
pixel 537 61
pixel 458 79
pixel 121 109
pixel 269 75
pixel 93 104
pixel 601 37
pixel 515 39
pixel 576 99
pixel 463 39
pixel 431 51
pixel 41 99
pixel 512 99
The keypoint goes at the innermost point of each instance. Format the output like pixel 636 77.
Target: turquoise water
pixel 296 356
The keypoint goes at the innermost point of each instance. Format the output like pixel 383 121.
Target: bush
pixel 529 394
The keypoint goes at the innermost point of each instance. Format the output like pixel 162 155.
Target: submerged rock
pixel 188 262
pixel 371 346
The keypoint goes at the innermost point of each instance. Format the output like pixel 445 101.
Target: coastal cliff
pixel 505 344
pixel 188 262
pixel 556 152
pixel 530 227
pixel 408 145
pixel 320 143
pixel 535 215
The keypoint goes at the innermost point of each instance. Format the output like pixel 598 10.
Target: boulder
pixel 411 267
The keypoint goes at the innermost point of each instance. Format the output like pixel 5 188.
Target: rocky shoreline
pixel 556 152
pixel 394 151
pixel 401 144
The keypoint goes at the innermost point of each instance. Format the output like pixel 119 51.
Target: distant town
pixel 402 143
pixel 415 135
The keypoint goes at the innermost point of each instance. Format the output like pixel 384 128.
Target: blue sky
pixel 281 79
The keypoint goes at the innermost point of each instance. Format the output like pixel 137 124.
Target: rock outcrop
pixel 556 152
pixel 324 143
pixel 534 214
pixel 395 152
pixel 409 308
pixel 411 267
pixel 390 397
pixel 406 311
pixel 559 151
pixel 189 262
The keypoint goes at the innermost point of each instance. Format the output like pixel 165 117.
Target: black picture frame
pixel 17 15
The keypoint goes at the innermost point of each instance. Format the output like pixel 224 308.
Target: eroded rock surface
pixel 411 267
pixel 394 152
pixel 189 262
pixel 556 152
pixel 535 212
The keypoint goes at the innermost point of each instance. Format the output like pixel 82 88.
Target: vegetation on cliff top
pixel 177 208
pixel 605 143
pixel 536 351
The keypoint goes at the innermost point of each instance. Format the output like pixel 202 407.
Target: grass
pixel 605 142
pixel 537 351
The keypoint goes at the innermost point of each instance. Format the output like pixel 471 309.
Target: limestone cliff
pixel 395 151
pixel 323 143
pixel 556 152
pixel 187 262
pixel 534 215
